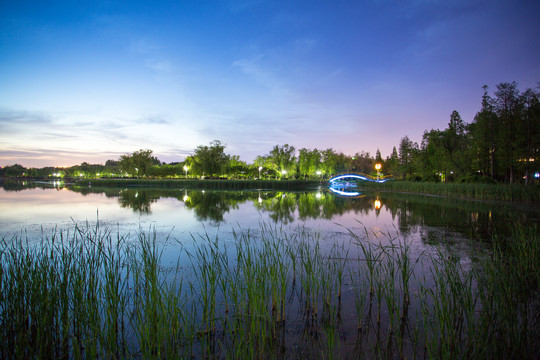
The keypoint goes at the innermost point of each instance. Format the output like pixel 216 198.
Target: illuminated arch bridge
pixel 358 176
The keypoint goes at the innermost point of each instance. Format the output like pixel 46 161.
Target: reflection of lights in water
pixel 344 193
pixel 259 200
pixel 137 194
pixel 377 204
pixel 186 198
pixel 318 195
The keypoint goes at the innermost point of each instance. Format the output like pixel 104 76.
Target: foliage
pixel 210 160
pixel 139 163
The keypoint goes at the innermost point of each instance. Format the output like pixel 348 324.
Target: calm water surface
pixel 181 214
pixel 182 218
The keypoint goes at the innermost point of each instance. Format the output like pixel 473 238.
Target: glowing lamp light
pixel 378 166
pixel 377 204
pixel 537 175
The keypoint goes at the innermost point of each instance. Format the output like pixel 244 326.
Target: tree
pixel 455 143
pixel 484 130
pixel 282 159
pixel 407 151
pixel 138 163
pixel 507 108
pixel 529 134
pixel 309 162
pixel 210 160
pixel 392 162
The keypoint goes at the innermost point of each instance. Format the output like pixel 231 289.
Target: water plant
pixel 268 293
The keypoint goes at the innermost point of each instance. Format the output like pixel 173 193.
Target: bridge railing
pixel 370 177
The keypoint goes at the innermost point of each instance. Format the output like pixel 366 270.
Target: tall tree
pixel 138 163
pixel 508 112
pixel 283 160
pixel 407 152
pixel 309 162
pixel 484 130
pixel 528 146
pixel 210 160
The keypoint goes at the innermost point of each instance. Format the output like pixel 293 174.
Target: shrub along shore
pixel 205 184
pixel 501 192
pixel 268 294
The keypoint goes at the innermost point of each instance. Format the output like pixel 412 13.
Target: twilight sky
pixel 91 80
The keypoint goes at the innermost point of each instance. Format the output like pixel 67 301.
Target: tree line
pixel 501 144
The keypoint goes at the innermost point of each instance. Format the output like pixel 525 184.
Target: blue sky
pixel 91 80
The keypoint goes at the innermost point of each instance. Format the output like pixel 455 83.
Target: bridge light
pixel 378 166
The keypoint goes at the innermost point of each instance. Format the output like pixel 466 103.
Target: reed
pixel 500 192
pixel 89 293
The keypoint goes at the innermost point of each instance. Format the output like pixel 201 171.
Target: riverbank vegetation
pixel 266 294
pixel 500 145
pixel 474 191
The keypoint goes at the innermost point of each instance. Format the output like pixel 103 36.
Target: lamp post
pixel 378 167
pixel 186 168
pixel 260 168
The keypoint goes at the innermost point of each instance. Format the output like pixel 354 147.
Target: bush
pixel 476 179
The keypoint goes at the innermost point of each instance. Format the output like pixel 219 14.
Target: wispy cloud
pixel 160 65
pixel 263 74
pixel 10 117
pixel 155 120
pixel 143 46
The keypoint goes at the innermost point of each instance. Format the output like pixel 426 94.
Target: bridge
pixel 359 176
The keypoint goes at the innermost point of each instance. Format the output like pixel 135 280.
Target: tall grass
pixel 500 192
pixel 270 293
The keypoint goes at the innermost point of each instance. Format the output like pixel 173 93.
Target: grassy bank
pixel 204 184
pixel 269 294
pixel 503 192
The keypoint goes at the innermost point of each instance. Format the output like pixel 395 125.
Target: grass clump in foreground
pixel 268 294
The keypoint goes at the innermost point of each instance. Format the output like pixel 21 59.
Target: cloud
pixel 263 75
pixel 159 65
pixel 17 117
pixel 143 46
pixel 155 120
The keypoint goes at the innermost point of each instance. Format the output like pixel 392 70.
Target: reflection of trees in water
pixel 410 213
pixel 429 214
pixel 311 205
pixel 212 205
pixel 139 201
pixel 281 207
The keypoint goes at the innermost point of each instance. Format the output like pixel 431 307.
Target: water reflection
pixel 431 217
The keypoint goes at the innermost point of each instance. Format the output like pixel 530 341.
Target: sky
pixel 88 81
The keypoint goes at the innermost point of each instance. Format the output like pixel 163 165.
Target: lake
pixel 34 208
pixel 338 228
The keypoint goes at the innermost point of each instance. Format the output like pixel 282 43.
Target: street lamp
pixel 260 168
pixel 186 168
pixel 378 167
pixel 283 172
